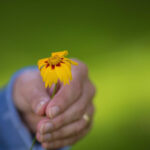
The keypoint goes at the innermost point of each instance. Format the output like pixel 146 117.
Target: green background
pixel 111 37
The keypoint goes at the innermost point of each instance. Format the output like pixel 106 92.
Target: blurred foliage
pixel 111 37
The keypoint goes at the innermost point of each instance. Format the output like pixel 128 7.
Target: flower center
pixel 54 60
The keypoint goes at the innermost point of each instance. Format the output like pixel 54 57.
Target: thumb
pixel 39 99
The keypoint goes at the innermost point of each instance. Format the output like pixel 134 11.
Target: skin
pixel 59 122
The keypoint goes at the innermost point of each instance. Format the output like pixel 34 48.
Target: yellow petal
pixel 71 61
pixel 59 73
pixel 67 71
pixel 60 54
pixel 41 62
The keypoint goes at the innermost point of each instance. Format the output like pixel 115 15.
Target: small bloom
pixel 57 67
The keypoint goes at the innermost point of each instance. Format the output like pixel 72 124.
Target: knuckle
pixel 92 90
pixel 77 88
pixel 84 68
pixel 81 110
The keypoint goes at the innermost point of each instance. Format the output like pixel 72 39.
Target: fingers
pixel 59 143
pixel 68 94
pixel 65 142
pixel 39 99
pixel 76 110
pixel 73 113
pixel 72 129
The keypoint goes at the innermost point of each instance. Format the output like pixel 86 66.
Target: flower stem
pixel 54 91
pixel 53 94
pixel 33 142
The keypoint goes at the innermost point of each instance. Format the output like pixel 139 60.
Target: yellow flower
pixel 55 68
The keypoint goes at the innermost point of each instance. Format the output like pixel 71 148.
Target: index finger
pixel 65 97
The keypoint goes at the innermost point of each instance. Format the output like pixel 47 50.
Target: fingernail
pixel 47 136
pixel 40 105
pixel 54 111
pixel 48 127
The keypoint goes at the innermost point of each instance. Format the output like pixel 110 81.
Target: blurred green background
pixel 111 37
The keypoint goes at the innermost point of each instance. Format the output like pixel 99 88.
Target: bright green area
pixel 111 37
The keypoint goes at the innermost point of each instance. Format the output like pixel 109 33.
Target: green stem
pixel 33 142
pixel 54 92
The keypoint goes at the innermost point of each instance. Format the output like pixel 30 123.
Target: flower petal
pixel 41 62
pixel 60 54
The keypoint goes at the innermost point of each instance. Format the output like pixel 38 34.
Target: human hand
pixel 66 111
pixel 33 100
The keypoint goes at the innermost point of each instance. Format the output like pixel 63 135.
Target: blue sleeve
pixel 14 135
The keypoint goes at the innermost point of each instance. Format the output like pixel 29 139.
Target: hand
pixel 66 111
pixel 33 101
